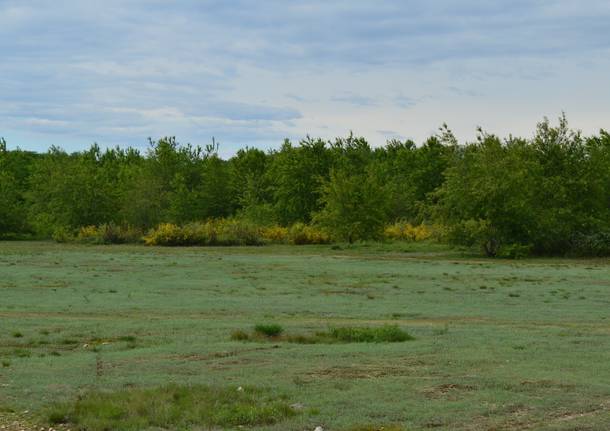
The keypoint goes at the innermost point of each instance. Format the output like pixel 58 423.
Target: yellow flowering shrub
pixel 300 233
pixel 407 232
pixel 275 234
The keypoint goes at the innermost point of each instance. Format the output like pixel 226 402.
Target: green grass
pixel 528 351
pixel 171 407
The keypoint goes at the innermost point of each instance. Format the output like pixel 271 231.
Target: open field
pixel 497 344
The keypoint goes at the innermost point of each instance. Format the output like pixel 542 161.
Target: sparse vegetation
pixel 172 407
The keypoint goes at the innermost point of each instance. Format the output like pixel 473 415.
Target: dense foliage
pixel 547 195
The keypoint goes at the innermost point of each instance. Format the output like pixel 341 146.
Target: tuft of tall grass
pixel 268 329
pixel 347 334
pixel 382 334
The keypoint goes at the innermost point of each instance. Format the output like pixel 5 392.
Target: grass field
pixel 497 345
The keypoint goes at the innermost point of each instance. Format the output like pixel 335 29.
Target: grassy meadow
pixel 400 336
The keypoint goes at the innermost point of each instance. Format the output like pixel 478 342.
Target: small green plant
pixel 269 329
pixel 17 334
pixel 6 363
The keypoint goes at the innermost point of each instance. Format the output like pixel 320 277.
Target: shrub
pixel 165 234
pixel 275 234
pixel 269 329
pixel 61 235
pixel 236 232
pixel 301 234
pixel 108 233
pixel 211 232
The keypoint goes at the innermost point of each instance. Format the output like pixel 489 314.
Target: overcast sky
pixel 252 73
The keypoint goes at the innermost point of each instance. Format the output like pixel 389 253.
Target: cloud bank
pixel 254 72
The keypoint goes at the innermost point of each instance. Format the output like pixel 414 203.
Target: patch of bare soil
pixel 448 390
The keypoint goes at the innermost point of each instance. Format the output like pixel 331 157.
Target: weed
pixel 6 364
pixel 17 334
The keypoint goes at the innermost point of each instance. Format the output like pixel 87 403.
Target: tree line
pixel 548 194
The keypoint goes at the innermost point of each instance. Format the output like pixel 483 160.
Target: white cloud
pixel 251 73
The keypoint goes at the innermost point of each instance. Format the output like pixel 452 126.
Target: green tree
pixel 354 206
pixel 492 183
pixel 296 175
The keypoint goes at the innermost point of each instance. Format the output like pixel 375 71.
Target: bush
pixel 233 232
pixel 211 232
pixel 407 232
pixel 108 233
pixel 62 234
pixel 275 234
pixel 300 234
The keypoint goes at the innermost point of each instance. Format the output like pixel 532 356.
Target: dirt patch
pixel 366 371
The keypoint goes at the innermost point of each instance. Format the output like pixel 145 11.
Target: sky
pixel 254 72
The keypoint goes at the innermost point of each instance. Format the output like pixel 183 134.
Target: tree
pixel 353 206
pixel 489 194
pixel 296 176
